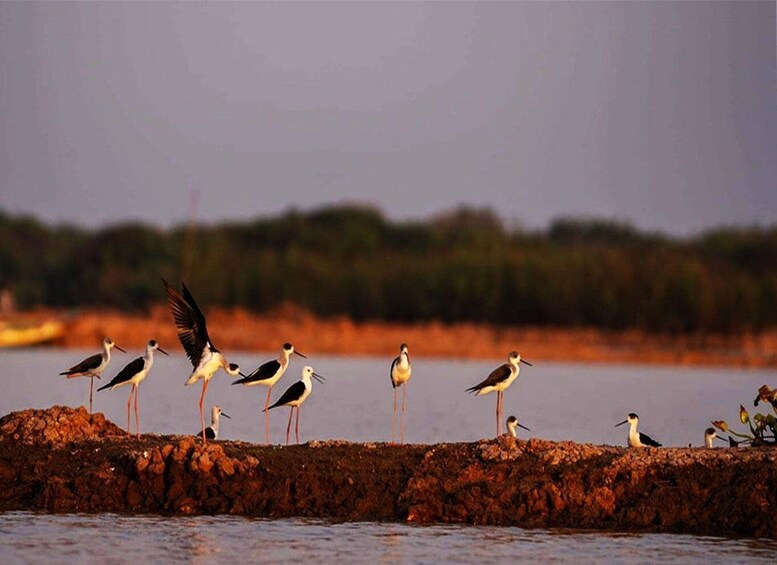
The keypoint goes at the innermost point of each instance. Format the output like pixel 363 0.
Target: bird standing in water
pixel 268 374
pixel 193 334
pixel 400 373
pixel 295 395
pixel 499 380
pixel 93 366
pixel 133 374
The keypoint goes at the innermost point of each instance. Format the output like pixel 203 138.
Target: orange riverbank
pixel 236 329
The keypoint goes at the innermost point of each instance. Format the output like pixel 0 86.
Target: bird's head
pixel 109 343
pixel 233 369
pixel 632 418
pixel 308 372
pixel 512 422
pixel 288 349
pixel 403 348
pixel 515 358
pixel 152 345
pixel 216 411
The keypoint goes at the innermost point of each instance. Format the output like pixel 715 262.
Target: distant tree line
pixel 460 266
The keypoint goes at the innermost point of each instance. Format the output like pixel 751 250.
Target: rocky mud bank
pixel 62 460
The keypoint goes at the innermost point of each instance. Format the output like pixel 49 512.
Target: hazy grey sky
pixel 661 113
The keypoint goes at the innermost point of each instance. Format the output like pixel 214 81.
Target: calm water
pixel 558 401
pixel 40 538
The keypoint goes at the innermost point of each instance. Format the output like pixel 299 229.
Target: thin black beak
pixel 162 350
pixel 318 377
pixel 524 427
pixel 119 348
pixel 300 354
pixel 241 374
pixel 757 398
pixel 623 422
pixel 226 415
pixel 525 362
pixel 720 438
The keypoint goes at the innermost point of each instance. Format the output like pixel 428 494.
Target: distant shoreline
pixel 237 329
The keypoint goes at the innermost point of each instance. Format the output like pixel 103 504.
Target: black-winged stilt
pixel 193 334
pixel 267 375
pixel 212 431
pixel 93 366
pixel 499 379
pixel 637 438
pixel 512 423
pixel 295 395
pixel 400 374
pixel 133 373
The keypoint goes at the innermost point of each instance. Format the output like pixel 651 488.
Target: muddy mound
pixel 53 426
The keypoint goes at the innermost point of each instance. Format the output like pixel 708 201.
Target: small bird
pixel 193 335
pixel 636 438
pixel 512 423
pixel 133 374
pixel 212 431
pixel 400 374
pixel 295 395
pixel 268 374
pixel 499 379
pixel 93 366
pixel 711 434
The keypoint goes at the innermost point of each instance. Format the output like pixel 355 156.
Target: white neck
pixel 404 360
pixel 106 351
pixel 708 440
pixel 511 428
pixel 214 421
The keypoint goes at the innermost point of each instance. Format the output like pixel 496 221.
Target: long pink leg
pixel 497 411
pixel 129 401
pixel 296 425
pixel 288 428
pixel 137 419
pixel 91 388
pixel 394 421
pixel 202 415
pixel 267 417
pixel 402 421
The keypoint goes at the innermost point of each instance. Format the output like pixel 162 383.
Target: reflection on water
pixel 556 400
pixel 41 538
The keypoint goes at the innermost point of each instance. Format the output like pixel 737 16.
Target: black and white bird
pixel 499 380
pixel 400 373
pixel 637 438
pixel 193 334
pixel 93 366
pixel 512 423
pixel 267 375
pixel 212 431
pixel 133 374
pixel 295 395
pixel 710 434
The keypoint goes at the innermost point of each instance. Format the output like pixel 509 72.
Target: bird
pixel 512 423
pixel 499 379
pixel 709 435
pixel 400 374
pixel 93 366
pixel 637 438
pixel 295 395
pixel 268 374
pixel 133 373
pixel 193 334
pixel 212 431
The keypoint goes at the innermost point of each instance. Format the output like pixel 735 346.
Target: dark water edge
pixel 28 537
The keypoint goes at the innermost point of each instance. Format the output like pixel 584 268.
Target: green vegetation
pixel 763 427
pixel 462 266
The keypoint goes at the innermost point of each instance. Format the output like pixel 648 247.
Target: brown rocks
pixel 74 463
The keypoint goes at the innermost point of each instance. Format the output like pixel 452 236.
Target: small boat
pixel 26 333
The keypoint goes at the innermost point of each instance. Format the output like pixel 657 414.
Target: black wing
pixel 498 375
pixel 189 321
pixel 209 433
pixel 292 393
pixel 91 362
pixel 264 372
pixel 132 369
pixel 647 440
pixel 391 371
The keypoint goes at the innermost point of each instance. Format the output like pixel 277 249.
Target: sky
pixel 661 114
